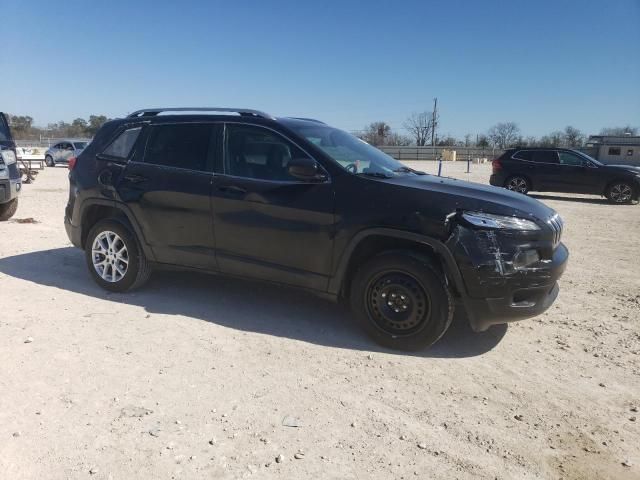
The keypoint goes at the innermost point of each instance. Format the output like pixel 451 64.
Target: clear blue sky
pixel 543 64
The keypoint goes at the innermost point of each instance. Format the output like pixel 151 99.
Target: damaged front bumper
pixel 507 275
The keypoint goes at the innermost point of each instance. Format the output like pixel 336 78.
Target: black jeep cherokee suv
pixel 564 170
pixel 297 202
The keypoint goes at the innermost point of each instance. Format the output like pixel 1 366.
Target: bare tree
pixel 504 134
pixel 397 139
pixel 375 133
pixel 619 131
pixel 483 141
pixel 419 126
pixel 573 137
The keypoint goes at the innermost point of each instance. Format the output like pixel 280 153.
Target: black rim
pixel 397 303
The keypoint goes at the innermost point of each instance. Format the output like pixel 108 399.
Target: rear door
pixel 168 190
pixel 547 170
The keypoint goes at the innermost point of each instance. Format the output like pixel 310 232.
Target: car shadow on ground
pixel 239 304
pixel 602 201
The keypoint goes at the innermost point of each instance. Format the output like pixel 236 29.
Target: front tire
pixel 401 301
pixel 620 192
pixel 48 160
pixel 8 210
pixel 114 258
pixel 518 184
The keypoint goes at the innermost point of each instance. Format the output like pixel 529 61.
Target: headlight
pixel 488 220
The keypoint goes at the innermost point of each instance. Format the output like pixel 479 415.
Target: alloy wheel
pixel 621 193
pixel 517 184
pixel 110 256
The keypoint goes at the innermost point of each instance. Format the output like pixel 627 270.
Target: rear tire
pixel 114 257
pixel 8 210
pixel 48 160
pixel 620 192
pixel 518 184
pixel 401 301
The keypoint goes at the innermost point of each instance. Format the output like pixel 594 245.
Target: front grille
pixel 556 224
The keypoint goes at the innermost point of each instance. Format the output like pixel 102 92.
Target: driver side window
pixel 255 152
pixel 567 158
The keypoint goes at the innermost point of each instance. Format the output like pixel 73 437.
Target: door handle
pixel 234 189
pixel 133 178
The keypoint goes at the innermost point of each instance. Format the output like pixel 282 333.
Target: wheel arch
pixel 634 186
pixel 94 210
pixel 371 242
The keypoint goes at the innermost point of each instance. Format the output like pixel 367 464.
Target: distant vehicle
pixel 10 176
pixel 564 170
pixel 62 151
pixel 296 202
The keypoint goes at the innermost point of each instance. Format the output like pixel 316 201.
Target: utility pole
pixel 434 121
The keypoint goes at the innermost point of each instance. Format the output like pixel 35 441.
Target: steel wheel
pixel 620 193
pixel 398 304
pixel 517 184
pixel 110 256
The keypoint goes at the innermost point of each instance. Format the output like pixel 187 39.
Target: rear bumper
pixel 73 232
pixel 517 301
pixel 497 179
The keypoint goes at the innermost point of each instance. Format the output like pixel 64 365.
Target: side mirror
pixel 306 169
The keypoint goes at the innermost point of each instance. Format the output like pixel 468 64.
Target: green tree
pixel 95 122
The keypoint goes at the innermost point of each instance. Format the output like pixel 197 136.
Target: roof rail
pixel 308 120
pixel 152 112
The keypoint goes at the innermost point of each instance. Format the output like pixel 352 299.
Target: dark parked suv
pixel 564 170
pixel 10 176
pixel 297 202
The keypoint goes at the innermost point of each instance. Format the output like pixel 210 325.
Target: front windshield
pixel 80 145
pixel 353 154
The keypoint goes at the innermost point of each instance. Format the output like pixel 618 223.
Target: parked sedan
pixel 564 170
pixel 62 151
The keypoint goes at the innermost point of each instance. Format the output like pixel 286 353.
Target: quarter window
pixel 181 146
pixel 255 152
pixel 614 150
pixel 121 146
pixel 524 155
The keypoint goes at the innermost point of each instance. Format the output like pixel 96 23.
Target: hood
pixel 629 168
pixel 465 195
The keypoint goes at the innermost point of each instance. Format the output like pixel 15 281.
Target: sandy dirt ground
pixel 198 376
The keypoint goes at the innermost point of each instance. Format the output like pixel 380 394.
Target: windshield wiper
pixel 376 174
pixel 404 169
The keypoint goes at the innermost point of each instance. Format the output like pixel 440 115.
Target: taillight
pixel 496 165
pixel 72 163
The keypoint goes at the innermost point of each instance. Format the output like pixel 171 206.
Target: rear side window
pixel 524 155
pixel 121 146
pixel 181 146
pixel 545 156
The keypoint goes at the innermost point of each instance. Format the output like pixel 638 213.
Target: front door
pixel 577 174
pixel 268 224
pixel 168 190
